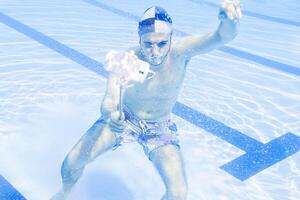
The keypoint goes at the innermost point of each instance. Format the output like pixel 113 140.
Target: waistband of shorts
pixel 147 126
pixel 132 116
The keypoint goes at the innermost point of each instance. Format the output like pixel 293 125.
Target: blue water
pixel 52 85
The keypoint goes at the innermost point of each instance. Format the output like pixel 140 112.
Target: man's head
pixel 155 31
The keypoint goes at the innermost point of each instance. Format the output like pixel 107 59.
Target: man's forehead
pixel 155 37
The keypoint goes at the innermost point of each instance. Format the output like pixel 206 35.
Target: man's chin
pixel 155 62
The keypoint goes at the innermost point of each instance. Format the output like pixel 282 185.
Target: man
pixel 147 106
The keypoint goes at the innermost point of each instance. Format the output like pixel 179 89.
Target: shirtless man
pixel 147 106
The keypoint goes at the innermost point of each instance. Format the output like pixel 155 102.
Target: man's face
pixel 155 47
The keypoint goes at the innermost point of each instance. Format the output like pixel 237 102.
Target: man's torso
pixel 155 97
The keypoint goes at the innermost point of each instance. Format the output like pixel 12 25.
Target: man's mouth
pixel 155 60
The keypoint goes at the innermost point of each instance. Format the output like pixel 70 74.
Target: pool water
pixel 52 84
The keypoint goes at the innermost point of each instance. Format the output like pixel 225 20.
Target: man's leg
pixel 95 141
pixel 169 163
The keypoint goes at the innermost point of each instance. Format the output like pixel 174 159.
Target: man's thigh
pixel 95 141
pixel 169 163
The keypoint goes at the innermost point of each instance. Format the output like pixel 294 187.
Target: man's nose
pixel 155 50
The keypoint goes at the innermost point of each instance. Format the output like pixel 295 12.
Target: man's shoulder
pixel 175 52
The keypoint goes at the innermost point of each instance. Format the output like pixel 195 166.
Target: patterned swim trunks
pixel 150 134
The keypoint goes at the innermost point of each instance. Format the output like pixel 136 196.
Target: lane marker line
pixel 253 14
pixel 8 192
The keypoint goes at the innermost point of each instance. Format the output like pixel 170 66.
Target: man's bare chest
pixel 162 85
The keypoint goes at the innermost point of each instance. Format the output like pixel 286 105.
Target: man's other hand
pixel 116 122
pixel 230 9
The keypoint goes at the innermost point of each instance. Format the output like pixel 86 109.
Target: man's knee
pixel 82 152
pixel 70 171
pixel 69 164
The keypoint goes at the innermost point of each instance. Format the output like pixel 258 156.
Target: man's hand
pixel 230 9
pixel 116 122
pixel 229 15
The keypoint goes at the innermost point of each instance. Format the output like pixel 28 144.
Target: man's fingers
pixel 236 3
pixel 116 127
pixel 117 123
pixel 121 116
pixel 237 8
pixel 226 13
pixel 231 12
pixel 231 8
pixel 116 130
pixel 117 117
pixel 239 12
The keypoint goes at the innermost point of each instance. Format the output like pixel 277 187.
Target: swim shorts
pixel 149 134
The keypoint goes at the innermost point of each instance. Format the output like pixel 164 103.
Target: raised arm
pixel 229 16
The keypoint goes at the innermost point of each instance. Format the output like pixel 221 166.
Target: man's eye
pixel 148 44
pixel 161 44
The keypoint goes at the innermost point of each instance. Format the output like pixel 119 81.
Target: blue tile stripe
pixel 217 128
pixel 226 49
pixel 8 192
pixel 113 10
pixel 261 60
pixel 253 14
pixel 258 160
pixel 60 48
